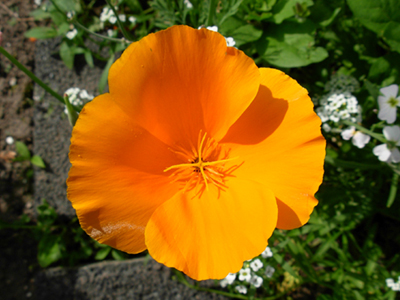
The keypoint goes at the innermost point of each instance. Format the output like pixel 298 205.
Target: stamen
pixel 202 166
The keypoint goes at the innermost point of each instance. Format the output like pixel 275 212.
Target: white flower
pixel 389 152
pixel 388 103
pixel 37 2
pixel 241 289
pixel 245 274
pixel 71 34
pixel 106 14
pixel 256 265
pixel 326 127
pixel 132 19
pixel 70 14
pixel 228 280
pixel 256 281
pixel 9 140
pixel 122 18
pixel 188 4
pixel 389 282
pixel 267 252
pixel 230 42
pixel 358 138
pixel 110 32
pixel 269 271
pixel 112 19
pixel 213 28
pixel 83 94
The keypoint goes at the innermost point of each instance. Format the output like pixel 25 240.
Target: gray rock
pixel 52 131
pixel 117 280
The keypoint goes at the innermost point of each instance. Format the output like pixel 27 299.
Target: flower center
pixel 205 165
pixel 393 102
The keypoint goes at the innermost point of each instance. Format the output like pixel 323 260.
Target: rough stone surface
pixel 126 280
pixel 52 130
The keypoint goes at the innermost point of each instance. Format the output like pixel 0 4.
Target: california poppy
pixel 195 154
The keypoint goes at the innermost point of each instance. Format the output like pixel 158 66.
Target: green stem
pixel 31 75
pixel 124 32
pixel 211 12
pixel 393 189
pixel 365 130
pixel 79 25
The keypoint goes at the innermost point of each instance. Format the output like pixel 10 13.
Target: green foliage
pixel 24 154
pixel 350 245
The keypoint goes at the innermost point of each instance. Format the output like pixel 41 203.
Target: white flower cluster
pixel 388 102
pixel 339 103
pixel 395 286
pixel 77 97
pixel 107 15
pixel 230 42
pixel 251 274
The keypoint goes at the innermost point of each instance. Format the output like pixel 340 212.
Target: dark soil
pixel 17 248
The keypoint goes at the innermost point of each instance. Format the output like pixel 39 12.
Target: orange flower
pixel 195 154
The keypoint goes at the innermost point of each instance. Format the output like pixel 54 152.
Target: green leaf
pixel 38 161
pixel 22 150
pixel 117 255
pixel 102 253
pixel 104 75
pixel 324 12
pixel 68 5
pixel 41 33
pixel 241 31
pixel 89 58
pixel 376 15
pixel 67 54
pixel 39 14
pixel 49 250
pixel 63 28
pixel 290 45
pixel 285 9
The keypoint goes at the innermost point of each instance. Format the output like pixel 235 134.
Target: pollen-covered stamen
pixel 206 164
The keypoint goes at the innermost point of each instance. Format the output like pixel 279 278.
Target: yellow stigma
pixel 204 161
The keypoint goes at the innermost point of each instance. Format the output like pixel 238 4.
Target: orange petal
pixel 179 81
pixel 211 236
pixel 116 166
pixel 279 139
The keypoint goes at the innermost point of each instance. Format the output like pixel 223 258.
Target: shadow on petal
pixel 287 217
pixel 260 120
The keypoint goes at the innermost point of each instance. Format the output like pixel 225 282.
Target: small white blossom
pixel 388 103
pixel 245 274
pixel 13 81
pixel 122 18
pixel 110 32
pixel 358 138
pixel 213 28
pixel 112 19
pixel 228 280
pixel 256 281
pixel 71 34
pixel 76 97
pixel 70 14
pixel 188 4
pixel 241 289
pixel 9 140
pixel 230 42
pixel 256 265
pixel 269 271
pixel 326 127
pixel 37 2
pixel 389 152
pixel 267 252
pixel 132 19
pixel 395 286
